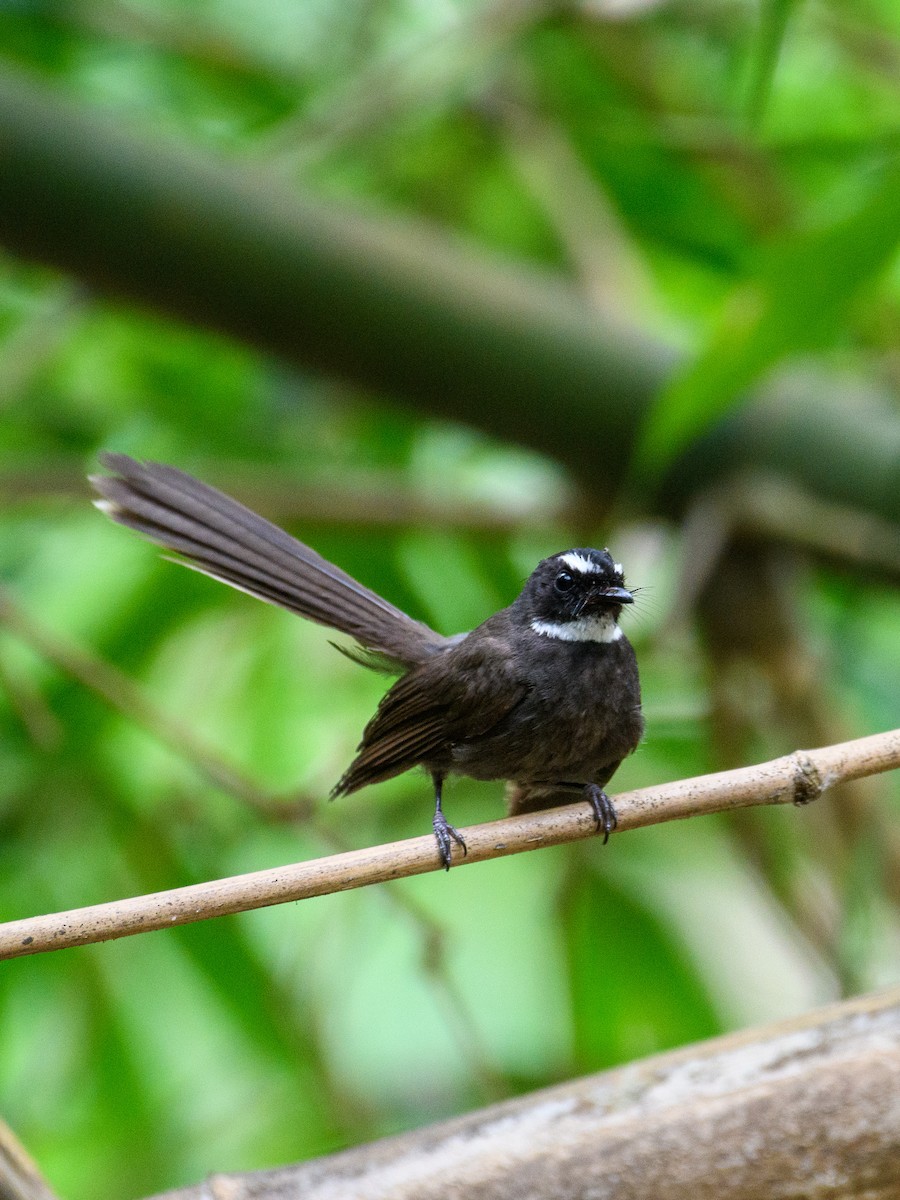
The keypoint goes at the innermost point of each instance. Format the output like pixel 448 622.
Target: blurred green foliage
pixel 672 159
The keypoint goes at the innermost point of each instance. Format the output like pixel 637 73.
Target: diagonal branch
pixel 20 1178
pixel 395 307
pixel 806 1109
pixel 123 693
pixel 796 778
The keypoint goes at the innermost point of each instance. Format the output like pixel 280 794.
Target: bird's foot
pixel 445 834
pixel 603 809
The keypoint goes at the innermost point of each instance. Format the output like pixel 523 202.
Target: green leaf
pixel 773 22
pixel 633 988
pixel 795 301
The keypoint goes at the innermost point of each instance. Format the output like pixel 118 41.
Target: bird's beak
pixel 613 595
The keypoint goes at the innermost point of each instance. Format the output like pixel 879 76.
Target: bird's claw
pixel 445 834
pixel 603 809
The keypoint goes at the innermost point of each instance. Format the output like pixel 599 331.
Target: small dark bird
pixel 544 694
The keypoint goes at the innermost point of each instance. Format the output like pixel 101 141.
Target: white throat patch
pixel 577 562
pixel 584 629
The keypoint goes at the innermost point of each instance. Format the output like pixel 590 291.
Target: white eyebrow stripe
pixel 584 629
pixel 617 567
pixel 577 562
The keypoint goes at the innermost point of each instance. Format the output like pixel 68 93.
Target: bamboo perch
pixel 796 778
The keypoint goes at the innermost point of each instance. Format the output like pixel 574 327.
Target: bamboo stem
pixel 799 778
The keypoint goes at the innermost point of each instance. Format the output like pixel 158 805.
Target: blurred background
pixel 716 187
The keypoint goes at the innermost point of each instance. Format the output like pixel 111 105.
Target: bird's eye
pixel 564 582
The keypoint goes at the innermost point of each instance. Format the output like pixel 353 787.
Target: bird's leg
pixel 602 807
pixel 444 832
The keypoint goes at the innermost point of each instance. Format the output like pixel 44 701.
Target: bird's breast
pixel 580 713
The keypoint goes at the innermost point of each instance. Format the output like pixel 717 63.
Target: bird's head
pixel 576 596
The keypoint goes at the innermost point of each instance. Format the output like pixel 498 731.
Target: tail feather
pixel 221 538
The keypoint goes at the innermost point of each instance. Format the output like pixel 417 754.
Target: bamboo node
pixel 808 782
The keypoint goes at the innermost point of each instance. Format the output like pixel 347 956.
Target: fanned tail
pixel 221 538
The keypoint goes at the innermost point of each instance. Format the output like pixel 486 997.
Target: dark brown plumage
pixel 543 694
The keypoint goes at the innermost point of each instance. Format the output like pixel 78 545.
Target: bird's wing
pixel 460 696
pixel 221 538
